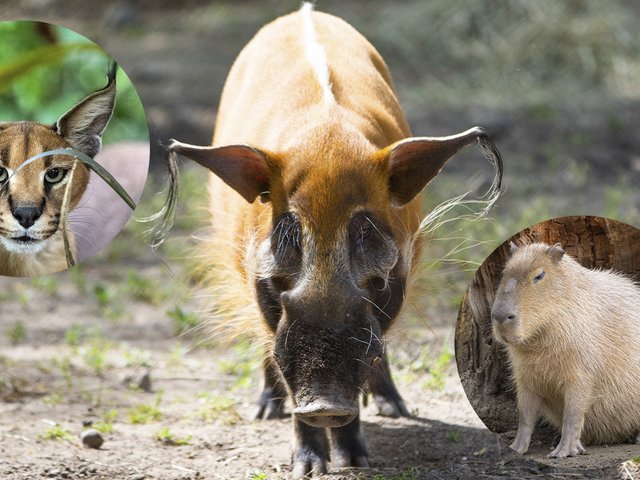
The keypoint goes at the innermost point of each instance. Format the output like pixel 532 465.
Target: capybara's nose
pixel 323 413
pixel 499 315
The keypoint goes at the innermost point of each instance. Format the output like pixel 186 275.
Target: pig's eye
pixel 286 236
pixel 538 277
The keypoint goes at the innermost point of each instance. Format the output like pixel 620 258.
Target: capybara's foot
pixel 520 445
pixel 567 449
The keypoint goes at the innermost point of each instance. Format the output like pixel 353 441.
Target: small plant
pixel 165 436
pixel 145 412
pixel 94 356
pixel 105 425
pixel 409 474
pixel 73 336
pixel 217 407
pixel 454 436
pixel 52 399
pixel 438 370
pixel 56 432
pixel 17 333
pixel 48 284
pixel 183 321
pixel 258 475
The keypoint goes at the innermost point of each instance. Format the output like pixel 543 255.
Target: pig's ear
pixel 243 168
pixel 414 162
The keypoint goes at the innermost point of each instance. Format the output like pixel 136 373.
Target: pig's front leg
pixel 273 396
pixel 347 446
pixel 529 404
pixel 311 451
pixel 385 394
pixel 575 406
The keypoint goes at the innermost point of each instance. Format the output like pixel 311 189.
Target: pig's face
pixel 332 278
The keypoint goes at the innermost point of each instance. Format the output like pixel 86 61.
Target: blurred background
pixel 553 82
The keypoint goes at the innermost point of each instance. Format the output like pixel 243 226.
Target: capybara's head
pixel 333 264
pixel 530 288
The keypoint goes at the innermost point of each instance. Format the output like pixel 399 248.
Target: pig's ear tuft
pixel 414 162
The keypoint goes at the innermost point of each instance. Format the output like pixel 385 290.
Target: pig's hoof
pixel 269 407
pixel 570 450
pixel 343 459
pixel 307 464
pixel 391 406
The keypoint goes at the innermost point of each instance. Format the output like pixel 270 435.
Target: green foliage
pixel 165 436
pixel 40 80
pixel 17 333
pixel 56 432
pixel 410 473
pixel 146 412
pixel 105 425
pixel 47 283
pixel 454 436
pixel 183 320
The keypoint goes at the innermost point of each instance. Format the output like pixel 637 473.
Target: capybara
pixel 573 341
pixel 309 124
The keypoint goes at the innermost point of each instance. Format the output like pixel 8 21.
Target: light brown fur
pixel 573 347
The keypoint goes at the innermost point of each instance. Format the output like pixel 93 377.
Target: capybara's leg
pixel 529 404
pixel 273 396
pixel 385 394
pixel 311 451
pixel 575 406
pixel 347 446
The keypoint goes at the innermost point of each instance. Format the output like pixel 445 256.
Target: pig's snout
pixel 326 413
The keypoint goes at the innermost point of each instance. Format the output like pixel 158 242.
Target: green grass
pixel 410 473
pixel 56 432
pixel 165 436
pixel 18 333
pixel 105 424
pixel 146 412
pixel 183 320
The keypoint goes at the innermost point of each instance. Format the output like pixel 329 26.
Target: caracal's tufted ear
pixel 83 125
pixel 415 161
pixel 244 168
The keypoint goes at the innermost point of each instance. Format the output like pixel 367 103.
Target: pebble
pixel 92 438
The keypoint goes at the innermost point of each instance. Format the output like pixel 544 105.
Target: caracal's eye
pixel 55 175
pixel 4 175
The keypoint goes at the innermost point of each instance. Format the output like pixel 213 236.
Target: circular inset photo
pixel 74 148
pixel 548 342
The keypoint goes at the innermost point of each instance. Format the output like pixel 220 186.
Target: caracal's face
pixel 31 197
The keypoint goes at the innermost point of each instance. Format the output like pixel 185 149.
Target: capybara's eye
pixel 538 277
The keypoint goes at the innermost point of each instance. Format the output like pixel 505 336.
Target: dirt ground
pixel 205 396
pixel 74 346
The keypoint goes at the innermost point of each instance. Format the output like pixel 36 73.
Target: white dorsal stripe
pixel 314 52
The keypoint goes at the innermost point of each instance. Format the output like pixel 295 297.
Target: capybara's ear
pixel 414 162
pixel 556 252
pixel 243 168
